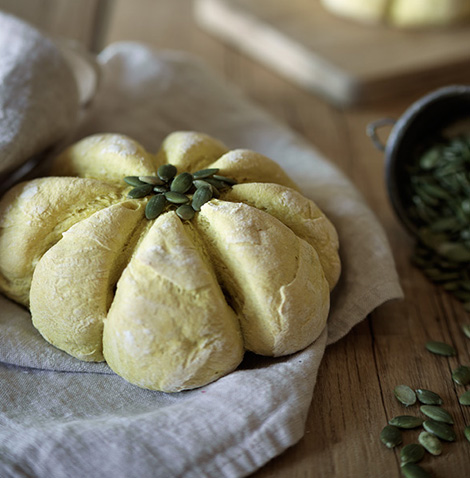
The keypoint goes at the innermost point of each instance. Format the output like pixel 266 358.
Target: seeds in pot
pixel 133 181
pixel 461 375
pixel 205 173
pixel 440 348
pixel 390 436
pixel 437 413
pixel 428 397
pixel 464 399
pixel 155 206
pixel 166 172
pixel 151 180
pixel 412 470
pixel 201 196
pixel 412 453
pixel 406 421
pixel 140 191
pixel 176 198
pixel 466 330
pixel 182 183
pixel 405 395
pixel 441 430
pixel 185 212
pixel 430 442
pixel 467 433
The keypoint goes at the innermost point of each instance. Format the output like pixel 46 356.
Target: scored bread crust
pixel 169 304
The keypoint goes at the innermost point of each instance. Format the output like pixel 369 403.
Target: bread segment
pixel 169 327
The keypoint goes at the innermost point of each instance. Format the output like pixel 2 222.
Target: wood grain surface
pixel 353 397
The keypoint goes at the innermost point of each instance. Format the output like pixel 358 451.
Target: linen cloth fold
pixel 60 417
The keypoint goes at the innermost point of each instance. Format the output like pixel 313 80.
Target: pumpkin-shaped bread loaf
pixel 169 279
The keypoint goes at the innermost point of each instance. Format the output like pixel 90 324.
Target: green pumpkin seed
pixel 430 159
pixel 412 453
pixel 464 399
pixel 216 183
pixel 161 189
pixel 155 206
pixel 390 436
pixel 156 181
pixel 466 330
pixel 427 397
pixel 440 348
pixel 412 470
pixel 405 395
pixel 176 198
pixel 461 375
pixel 182 183
pixel 201 196
pixel 431 443
pixel 205 173
pixel 441 430
pixel 229 181
pixel 140 191
pixel 406 421
pixel 467 433
pixel 454 251
pixel 166 172
pixel 185 212
pixel 200 183
pixel 133 181
pixel 437 413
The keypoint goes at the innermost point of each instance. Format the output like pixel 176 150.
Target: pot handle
pixel 372 128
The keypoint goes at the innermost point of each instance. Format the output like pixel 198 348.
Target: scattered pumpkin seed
pixel 182 183
pixel 140 191
pixel 229 181
pixel 461 375
pixel 133 181
pixel 205 173
pixel 464 399
pixel 155 206
pixel 200 183
pixel 412 470
pixel 428 397
pixel 216 183
pixel 441 430
pixel 466 432
pixel 437 413
pixel 406 421
pixel 412 453
pixel 405 395
pixel 166 172
pixel 391 436
pixel 431 443
pixel 185 212
pixel 466 329
pixel 440 348
pixel 156 181
pixel 201 196
pixel 161 189
pixel 176 198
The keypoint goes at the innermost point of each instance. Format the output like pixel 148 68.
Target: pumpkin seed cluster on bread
pixel 171 298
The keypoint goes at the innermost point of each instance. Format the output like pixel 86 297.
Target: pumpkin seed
pixel 229 181
pixel 156 181
pixel 437 413
pixel 216 183
pixel 467 433
pixel 155 206
pixel 161 189
pixel 390 436
pixel 406 421
pixel 428 398
pixel 405 395
pixel 205 173
pixel 441 430
pixel 166 172
pixel 176 198
pixel 412 453
pixel 431 443
pixel 440 348
pixel 182 183
pixel 412 470
pixel 133 181
pixel 464 399
pixel 461 375
pixel 185 212
pixel 201 196
pixel 140 191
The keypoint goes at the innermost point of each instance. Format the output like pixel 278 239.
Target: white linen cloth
pixel 60 417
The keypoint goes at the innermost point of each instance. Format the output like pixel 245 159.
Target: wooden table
pixel 354 393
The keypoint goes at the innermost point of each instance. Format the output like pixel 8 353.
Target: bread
pixel 170 304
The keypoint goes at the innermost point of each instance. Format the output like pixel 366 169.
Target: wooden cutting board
pixel 347 62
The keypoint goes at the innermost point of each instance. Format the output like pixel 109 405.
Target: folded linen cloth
pixel 60 417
